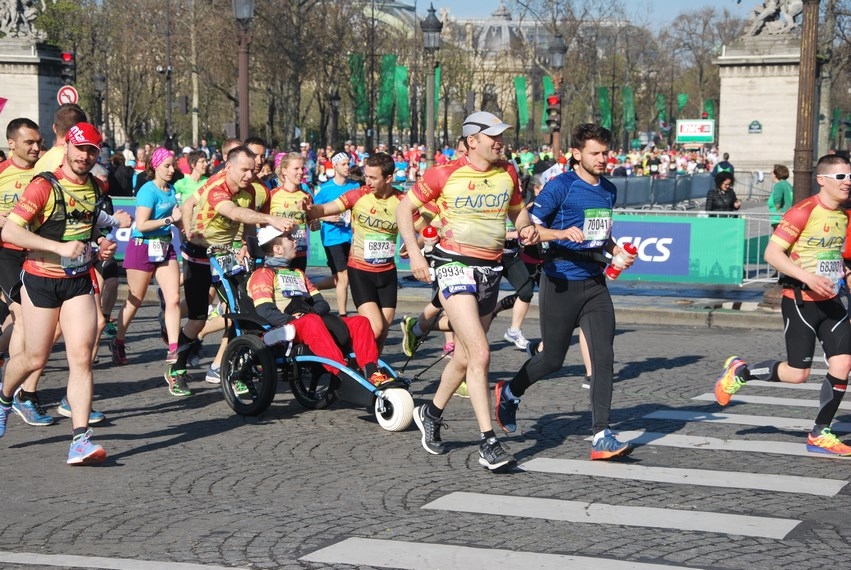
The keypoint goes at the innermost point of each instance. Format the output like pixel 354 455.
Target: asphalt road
pixel 189 483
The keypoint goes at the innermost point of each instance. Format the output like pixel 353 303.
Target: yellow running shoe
pixel 462 391
pixel 729 382
pixel 827 443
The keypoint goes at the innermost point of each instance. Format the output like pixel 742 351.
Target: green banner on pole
pixel 358 81
pixel 436 93
pixel 834 124
pixel 604 100
pixel 549 89
pixel 403 108
pixel 709 108
pixel 628 98
pixel 682 99
pixel 522 104
pixel 387 91
pixel 662 109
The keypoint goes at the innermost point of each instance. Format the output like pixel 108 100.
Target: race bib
pixel 291 283
pixel 229 264
pixel 455 278
pixel 829 264
pixel 300 237
pixel 156 250
pixel 74 266
pixel 598 225
pixel 378 248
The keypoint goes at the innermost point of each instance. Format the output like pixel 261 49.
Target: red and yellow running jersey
pixel 472 205
pixel 374 229
pixel 212 228
pixel 34 210
pixel 279 286
pixel 13 180
pixel 815 237
pixel 291 204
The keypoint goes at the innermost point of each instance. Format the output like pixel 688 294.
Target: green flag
pixel 662 109
pixel 682 99
pixel 522 104
pixel 605 102
pixel 834 124
pixel 549 89
pixel 387 91
pixel 436 92
pixel 358 80
pixel 709 108
pixel 628 98
pixel 403 110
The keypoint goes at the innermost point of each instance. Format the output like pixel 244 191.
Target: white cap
pixel 485 123
pixel 267 234
pixel 187 149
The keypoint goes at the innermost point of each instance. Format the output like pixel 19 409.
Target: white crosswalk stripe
pixel 743 419
pixel 770 401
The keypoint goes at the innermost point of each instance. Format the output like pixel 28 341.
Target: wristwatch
pixel 167 222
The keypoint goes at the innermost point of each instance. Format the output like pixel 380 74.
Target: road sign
pixel 67 94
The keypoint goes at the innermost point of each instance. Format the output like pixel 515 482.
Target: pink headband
pixel 159 156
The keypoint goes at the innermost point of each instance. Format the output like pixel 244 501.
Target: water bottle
pixel 618 263
pixel 430 239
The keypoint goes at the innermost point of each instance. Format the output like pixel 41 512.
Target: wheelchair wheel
pixel 398 409
pixel 249 375
pixel 313 386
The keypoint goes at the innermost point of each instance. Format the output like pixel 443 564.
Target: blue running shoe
pixel 608 447
pixel 4 415
pixel 64 409
pixel 84 452
pixel 32 412
pixel 505 408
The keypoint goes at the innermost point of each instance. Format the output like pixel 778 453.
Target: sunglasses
pixel 838 176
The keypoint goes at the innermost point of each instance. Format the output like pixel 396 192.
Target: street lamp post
pixel 243 13
pixel 100 89
pixel 335 117
pixel 431 28
pixel 803 161
pixel 557 51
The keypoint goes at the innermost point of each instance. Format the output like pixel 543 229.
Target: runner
pixel 290 200
pixel 807 249
pixel 473 194
pixel 371 265
pixel 574 211
pixel 57 284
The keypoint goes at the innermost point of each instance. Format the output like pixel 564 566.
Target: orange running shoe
pixel 729 382
pixel 827 443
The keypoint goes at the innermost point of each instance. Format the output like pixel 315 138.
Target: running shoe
pixel 171 356
pixel 31 411
pixel 177 384
pixel 494 455
pixel 505 408
pixel 64 409
pixel 84 452
pixel 608 447
pixel 409 339
pixel 5 411
pixel 119 352
pixel 462 391
pixel 729 382
pixel 110 330
pixel 378 378
pixel 517 338
pixel 827 443
pixel 214 375
pixel 448 349
pixel 194 357
pixel 240 388
pixel 586 383
pixel 431 431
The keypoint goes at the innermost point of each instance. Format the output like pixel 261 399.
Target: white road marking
pixel 98 562
pixel 744 419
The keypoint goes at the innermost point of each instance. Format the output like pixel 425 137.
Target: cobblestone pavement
pixel 187 481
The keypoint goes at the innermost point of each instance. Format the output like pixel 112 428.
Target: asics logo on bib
pixel 650 248
pixel 483 200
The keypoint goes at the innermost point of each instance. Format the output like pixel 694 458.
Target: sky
pixel 663 10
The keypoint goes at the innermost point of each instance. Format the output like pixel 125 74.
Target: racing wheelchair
pixel 251 369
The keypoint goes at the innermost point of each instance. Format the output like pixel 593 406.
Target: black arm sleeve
pixel 320 305
pixel 272 314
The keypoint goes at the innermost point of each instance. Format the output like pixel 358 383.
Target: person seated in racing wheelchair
pixel 287 299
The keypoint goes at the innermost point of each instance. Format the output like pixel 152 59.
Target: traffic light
pixel 554 113
pixel 68 71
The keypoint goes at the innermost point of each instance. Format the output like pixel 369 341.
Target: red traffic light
pixel 67 57
pixel 553 100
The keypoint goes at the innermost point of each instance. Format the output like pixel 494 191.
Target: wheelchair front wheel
pixel 398 412
pixel 249 375
pixel 313 386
